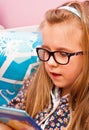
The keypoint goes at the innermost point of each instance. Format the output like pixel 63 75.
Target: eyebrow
pixel 59 49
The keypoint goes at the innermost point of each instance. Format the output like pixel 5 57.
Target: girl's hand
pixel 16 125
pixel 20 125
pixel 4 127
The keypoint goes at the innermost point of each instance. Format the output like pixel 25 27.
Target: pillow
pixel 18 59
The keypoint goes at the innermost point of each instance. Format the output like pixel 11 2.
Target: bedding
pixel 18 60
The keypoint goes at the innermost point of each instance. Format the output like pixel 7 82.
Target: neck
pixel 65 91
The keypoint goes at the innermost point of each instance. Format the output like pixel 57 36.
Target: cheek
pixel 73 73
pixel 73 69
pixel 46 67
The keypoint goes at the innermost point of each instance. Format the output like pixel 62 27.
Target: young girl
pixel 58 96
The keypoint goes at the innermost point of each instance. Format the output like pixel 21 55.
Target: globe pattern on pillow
pixel 18 60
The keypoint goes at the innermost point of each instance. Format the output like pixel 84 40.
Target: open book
pixel 7 114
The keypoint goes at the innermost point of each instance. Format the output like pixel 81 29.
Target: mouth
pixel 55 74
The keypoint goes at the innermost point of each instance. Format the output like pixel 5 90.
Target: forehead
pixel 63 34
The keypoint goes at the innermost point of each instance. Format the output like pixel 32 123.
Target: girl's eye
pixel 63 54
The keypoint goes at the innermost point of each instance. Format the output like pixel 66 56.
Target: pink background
pixel 17 13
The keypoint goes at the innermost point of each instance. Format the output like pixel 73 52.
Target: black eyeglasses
pixel 60 57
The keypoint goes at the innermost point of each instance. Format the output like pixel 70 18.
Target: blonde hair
pixel 39 92
pixel 38 96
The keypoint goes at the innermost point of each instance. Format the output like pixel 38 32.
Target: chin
pixel 59 85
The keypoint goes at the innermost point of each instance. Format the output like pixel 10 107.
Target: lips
pixel 56 78
pixel 55 74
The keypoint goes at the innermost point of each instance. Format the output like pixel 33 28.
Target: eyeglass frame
pixel 51 53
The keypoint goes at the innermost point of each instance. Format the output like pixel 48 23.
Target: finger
pixel 17 125
pixel 4 127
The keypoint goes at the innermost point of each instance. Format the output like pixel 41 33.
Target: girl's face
pixel 63 37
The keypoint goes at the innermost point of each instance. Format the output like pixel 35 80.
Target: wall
pixel 16 13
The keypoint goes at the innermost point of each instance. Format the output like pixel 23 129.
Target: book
pixel 7 114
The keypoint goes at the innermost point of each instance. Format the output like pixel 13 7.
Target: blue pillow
pixel 17 60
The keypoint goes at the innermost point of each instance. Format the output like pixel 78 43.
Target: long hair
pixel 39 92
pixel 38 96
pixel 79 98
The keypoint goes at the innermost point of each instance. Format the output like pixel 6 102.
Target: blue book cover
pixel 7 114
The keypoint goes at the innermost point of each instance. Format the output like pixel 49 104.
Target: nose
pixel 51 61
